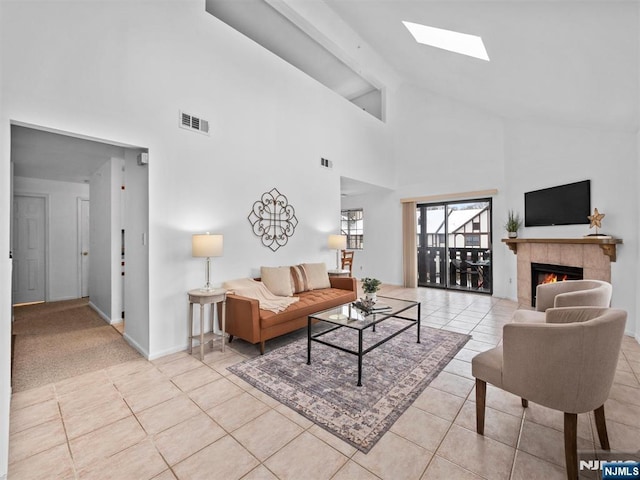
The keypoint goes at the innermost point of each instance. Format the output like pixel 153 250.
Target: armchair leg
pixel 571 445
pixel 525 402
pixel 601 426
pixel 481 396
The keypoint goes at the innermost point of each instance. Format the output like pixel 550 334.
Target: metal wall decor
pixel 273 219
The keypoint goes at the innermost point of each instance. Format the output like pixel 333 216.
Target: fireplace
pixel 547 273
pixel 594 255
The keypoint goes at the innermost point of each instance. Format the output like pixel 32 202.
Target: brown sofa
pixel 244 318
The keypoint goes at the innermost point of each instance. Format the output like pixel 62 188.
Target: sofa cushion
pixel 317 275
pixel 277 280
pixel 310 302
pixel 299 280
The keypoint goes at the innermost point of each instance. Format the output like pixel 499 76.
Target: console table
pixel 202 298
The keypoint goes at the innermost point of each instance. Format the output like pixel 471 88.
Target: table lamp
pixel 207 245
pixel 338 242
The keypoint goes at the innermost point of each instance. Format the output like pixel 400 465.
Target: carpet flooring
pixel 393 376
pixel 59 340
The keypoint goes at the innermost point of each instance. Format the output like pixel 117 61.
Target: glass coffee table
pixel 348 316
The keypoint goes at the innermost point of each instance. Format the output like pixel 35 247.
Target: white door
pixel 28 249
pixel 83 220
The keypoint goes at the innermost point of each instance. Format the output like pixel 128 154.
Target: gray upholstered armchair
pixel 566 364
pixel 570 293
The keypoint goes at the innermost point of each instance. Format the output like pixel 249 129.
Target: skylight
pixel 463 43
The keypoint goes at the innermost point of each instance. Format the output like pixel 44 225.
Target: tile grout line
pixel 517 449
pixel 66 434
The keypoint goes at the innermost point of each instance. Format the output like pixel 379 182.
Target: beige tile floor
pixel 178 417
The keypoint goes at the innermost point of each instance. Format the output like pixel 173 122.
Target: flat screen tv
pixel 562 205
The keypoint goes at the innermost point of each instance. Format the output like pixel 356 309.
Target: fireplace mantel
pixel 608 245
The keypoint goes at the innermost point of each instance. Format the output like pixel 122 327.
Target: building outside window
pixel 352 225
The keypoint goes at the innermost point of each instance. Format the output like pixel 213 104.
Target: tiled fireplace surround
pixel 591 258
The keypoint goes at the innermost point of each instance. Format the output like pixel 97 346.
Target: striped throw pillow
pixel 299 279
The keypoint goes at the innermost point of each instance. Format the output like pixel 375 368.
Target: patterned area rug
pixel 393 375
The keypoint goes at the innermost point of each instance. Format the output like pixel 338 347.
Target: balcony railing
pixel 462 268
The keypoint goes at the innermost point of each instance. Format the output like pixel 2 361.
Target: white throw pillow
pixel 277 280
pixel 317 275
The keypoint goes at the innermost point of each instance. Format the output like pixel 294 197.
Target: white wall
pixel 637 179
pixel 100 268
pixel 270 124
pixel 444 146
pixel 63 251
pixel 135 216
pixel 5 288
pixel 637 287
pixel 381 256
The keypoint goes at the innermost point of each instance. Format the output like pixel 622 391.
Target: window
pixel 472 240
pixel 351 225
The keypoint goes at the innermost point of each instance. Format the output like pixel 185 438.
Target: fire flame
pixel 553 278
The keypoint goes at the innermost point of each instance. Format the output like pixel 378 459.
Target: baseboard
pixel 63 299
pixel 632 335
pixel 168 351
pixel 145 354
pixel 103 315
pixel 136 346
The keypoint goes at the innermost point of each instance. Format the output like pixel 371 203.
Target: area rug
pixel 325 392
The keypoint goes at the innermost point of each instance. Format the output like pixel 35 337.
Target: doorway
pixel 454 245
pixel 83 182
pixel 29 243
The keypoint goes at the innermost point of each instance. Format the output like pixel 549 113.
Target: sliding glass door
pixel 454 245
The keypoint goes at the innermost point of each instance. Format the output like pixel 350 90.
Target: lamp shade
pixel 206 245
pixel 338 242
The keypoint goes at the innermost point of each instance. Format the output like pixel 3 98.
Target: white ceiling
pixel 572 62
pixel 53 156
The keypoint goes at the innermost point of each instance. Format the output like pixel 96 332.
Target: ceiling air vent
pixel 191 122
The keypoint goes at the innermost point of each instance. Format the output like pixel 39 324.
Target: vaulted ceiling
pixel 573 62
pixel 568 61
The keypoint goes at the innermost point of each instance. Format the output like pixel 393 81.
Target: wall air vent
pixel 196 124
pixel 326 163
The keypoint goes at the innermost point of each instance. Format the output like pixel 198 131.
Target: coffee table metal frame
pixel 356 319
